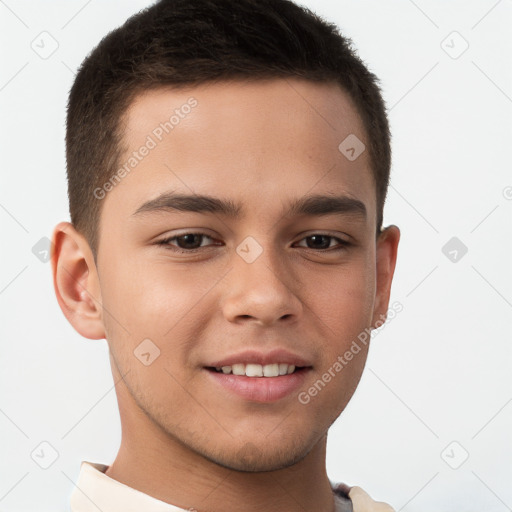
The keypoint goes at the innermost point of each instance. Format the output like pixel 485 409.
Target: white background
pixel 439 372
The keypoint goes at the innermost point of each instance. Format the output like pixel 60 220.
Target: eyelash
pixel 343 244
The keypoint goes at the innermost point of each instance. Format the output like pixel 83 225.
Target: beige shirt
pixel 96 491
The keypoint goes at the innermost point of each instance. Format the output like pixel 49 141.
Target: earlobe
pixel 76 283
pixel 386 255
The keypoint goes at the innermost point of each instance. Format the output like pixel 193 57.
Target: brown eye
pixel 323 242
pixel 188 242
pixel 319 241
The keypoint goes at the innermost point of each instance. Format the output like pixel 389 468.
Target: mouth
pixel 252 370
pixel 258 383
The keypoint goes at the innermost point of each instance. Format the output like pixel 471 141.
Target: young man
pixel 228 162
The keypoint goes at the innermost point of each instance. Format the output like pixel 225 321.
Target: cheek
pixel 344 298
pixel 347 309
pixel 147 315
pixel 154 300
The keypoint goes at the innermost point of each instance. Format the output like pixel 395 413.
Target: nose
pixel 263 290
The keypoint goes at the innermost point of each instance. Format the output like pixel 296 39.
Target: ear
pixel 386 253
pixel 76 283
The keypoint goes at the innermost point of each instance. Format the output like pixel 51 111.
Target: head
pixel 262 114
pixel 179 44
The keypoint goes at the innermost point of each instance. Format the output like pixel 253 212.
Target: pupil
pixel 189 237
pixel 318 237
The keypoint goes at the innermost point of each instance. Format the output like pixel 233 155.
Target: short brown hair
pixel 188 42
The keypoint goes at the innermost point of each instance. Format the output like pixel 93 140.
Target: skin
pixel 263 144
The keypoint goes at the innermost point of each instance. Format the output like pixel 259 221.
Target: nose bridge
pixel 261 286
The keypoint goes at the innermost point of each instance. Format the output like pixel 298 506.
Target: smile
pixel 258 370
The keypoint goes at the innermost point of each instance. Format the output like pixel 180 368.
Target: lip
pixel 259 389
pixel 257 357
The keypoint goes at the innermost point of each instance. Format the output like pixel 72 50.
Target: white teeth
pixel 271 370
pixel 258 370
pixel 238 369
pixel 253 370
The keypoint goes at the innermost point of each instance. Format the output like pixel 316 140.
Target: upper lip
pixel 249 356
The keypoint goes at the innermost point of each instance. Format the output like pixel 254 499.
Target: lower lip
pixel 260 389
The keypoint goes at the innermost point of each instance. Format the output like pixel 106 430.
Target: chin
pixel 251 458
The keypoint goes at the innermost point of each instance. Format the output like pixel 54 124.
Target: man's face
pixel 267 284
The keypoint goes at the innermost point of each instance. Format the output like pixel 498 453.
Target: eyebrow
pixel 312 205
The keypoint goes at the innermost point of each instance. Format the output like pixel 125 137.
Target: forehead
pixel 223 108
pixel 262 142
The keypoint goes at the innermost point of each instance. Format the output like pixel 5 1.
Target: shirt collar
pixel 97 492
